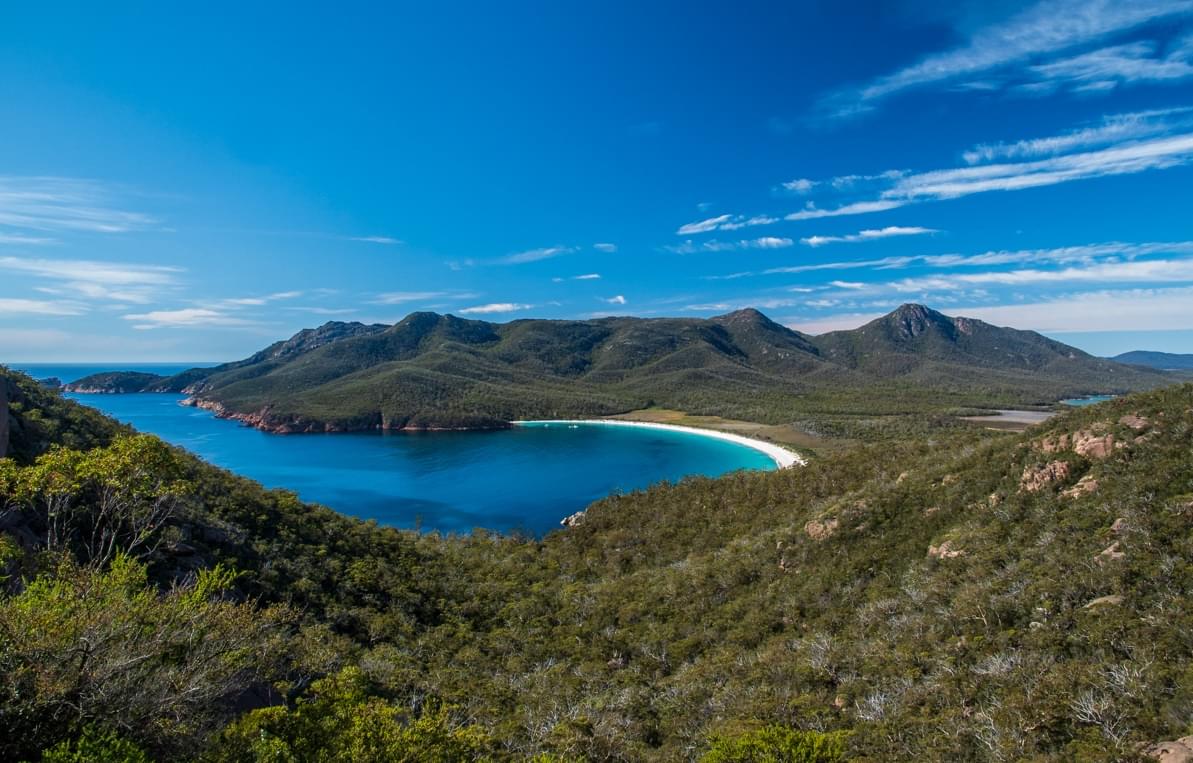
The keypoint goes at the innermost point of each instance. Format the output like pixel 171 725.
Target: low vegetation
pixel 954 595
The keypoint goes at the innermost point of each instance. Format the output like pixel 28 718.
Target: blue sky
pixel 177 185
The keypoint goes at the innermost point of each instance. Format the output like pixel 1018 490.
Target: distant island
pixel 433 371
pixel 1164 361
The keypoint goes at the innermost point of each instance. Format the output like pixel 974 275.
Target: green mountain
pixel 973 596
pixel 440 371
pixel 1164 361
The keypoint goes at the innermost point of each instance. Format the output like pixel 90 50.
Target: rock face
pixel 819 530
pixel 1036 478
pixel 1180 751
pixel 3 417
pixel 1092 445
pixel 1085 486
pixel 945 550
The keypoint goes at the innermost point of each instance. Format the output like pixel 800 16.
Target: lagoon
pixel 525 479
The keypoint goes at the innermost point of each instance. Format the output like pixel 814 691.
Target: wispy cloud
pixel 124 282
pixel 495 307
pixel 6 238
pixel 868 235
pixel 582 277
pixel 703 226
pixel 257 301
pixel 618 300
pixel 1094 310
pixel 315 310
pixel 1086 253
pixel 535 255
pixel 64 204
pixel 1129 158
pixel 189 317
pixel 765 242
pixel 39 307
pixel 605 247
pixel 386 240
pixel 402 297
pixel 1046 29
pixel 811 212
pixel 1114 128
pixel 799 185
pixel 1107 68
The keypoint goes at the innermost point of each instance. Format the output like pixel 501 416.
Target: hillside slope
pixel 1164 361
pixel 970 597
pixel 435 371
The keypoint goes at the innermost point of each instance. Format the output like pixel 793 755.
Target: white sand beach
pixel 782 457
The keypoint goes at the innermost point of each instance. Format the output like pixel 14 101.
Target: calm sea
pixel 523 479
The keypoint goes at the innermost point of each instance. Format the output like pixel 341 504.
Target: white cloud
pixel 605 247
pixel 254 301
pixel 1146 271
pixel 125 282
pixel 534 255
pixel 811 212
pixel 765 242
pixel 868 235
pixel 39 307
pixel 323 310
pixel 1129 158
pixel 67 204
pixel 1114 128
pixel 1086 253
pixel 6 238
pixel 386 240
pixel 1047 28
pixel 587 277
pixel 402 297
pixel 1109 67
pixel 189 317
pixel 618 300
pixel 800 185
pixel 495 307
pixel 1104 310
pixel 703 226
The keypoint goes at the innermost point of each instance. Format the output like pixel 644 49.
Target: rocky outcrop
pixel 1135 421
pixel 1104 601
pixel 821 529
pixel 1180 751
pixel 945 550
pixel 1087 485
pixel 1036 478
pixel 1092 445
pixel 573 520
pixel 1111 553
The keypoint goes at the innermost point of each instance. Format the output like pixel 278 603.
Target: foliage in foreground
pixel 958 596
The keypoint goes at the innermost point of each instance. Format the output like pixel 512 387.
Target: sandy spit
pixel 782 457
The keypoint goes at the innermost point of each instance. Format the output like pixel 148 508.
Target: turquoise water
pixel 1083 401
pixel 523 479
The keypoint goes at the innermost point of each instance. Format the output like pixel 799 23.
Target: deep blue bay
pixel 521 479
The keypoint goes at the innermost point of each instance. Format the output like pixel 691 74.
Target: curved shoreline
pixel 783 458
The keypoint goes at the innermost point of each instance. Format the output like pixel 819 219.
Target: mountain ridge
pixel 432 371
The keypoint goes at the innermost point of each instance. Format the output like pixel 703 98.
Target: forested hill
pixel 434 370
pixel 1165 361
pixel 975 596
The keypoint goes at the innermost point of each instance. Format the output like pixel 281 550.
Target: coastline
pixel 783 458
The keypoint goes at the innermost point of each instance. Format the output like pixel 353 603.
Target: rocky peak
pixel 911 320
pixel 310 339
